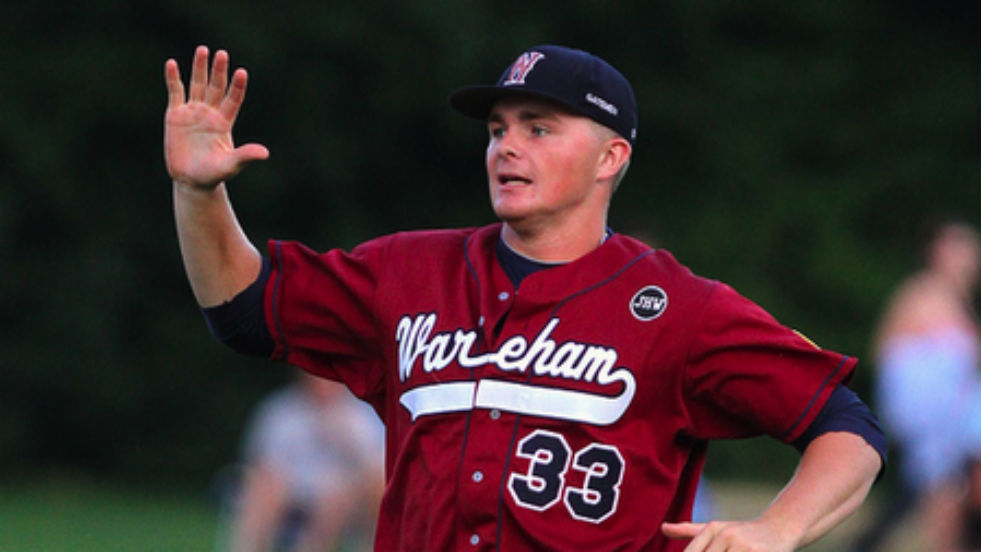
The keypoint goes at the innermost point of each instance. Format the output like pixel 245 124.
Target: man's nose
pixel 507 146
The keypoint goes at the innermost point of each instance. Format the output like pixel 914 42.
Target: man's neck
pixel 553 246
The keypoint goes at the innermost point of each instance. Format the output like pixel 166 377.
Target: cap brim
pixel 477 101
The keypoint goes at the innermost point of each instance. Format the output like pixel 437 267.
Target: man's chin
pixel 521 224
pixel 511 215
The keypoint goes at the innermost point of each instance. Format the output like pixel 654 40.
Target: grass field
pixel 61 515
pixel 72 515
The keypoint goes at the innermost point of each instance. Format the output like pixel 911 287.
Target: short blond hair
pixel 620 174
pixel 606 133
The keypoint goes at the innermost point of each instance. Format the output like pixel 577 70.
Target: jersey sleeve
pixel 747 375
pixel 320 311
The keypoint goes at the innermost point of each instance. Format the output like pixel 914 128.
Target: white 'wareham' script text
pixel 569 360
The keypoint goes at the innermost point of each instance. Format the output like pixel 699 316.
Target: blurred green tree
pixel 789 149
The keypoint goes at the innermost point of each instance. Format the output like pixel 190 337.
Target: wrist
pixel 196 188
pixel 788 529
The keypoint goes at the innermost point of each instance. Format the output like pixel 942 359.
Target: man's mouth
pixel 505 179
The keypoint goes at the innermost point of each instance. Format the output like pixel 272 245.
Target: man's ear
pixel 613 156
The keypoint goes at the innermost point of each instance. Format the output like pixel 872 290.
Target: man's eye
pixel 539 130
pixel 497 132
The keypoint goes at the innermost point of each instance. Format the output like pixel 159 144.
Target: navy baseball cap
pixel 578 80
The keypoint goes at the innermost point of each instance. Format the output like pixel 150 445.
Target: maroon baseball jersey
pixel 569 414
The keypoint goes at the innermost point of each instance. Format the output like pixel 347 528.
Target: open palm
pixel 198 146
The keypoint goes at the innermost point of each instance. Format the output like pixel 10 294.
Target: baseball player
pixel 546 383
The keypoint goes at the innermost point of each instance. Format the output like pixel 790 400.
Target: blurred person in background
pixel 313 476
pixel 704 510
pixel 928 390
pixel 972 511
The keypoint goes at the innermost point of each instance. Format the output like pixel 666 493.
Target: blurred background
pixel 789 149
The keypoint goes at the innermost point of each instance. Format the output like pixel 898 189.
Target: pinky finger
pixel 175 88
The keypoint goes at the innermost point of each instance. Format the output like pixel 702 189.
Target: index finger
pixel 236 95
pixel 175 88
pixel 681 530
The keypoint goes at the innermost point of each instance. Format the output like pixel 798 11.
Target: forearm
pixel 219 259
pixel 835 474
pixel 260 510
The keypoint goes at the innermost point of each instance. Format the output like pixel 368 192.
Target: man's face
pixel 542 163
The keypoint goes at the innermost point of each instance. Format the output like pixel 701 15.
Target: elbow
pixel 240 324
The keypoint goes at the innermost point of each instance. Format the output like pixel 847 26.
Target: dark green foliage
pixel 788 149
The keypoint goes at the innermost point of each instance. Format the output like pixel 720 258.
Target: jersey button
pixel 495 414
pixel 503 296
pixel 475 539
pixel 477 476
pixel 480 322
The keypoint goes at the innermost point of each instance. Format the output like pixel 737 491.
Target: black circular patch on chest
pixel 649 303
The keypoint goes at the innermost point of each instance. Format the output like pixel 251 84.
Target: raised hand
pixel 198 146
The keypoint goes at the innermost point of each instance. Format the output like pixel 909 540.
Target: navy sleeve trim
pixel 844 411
pixel 241 322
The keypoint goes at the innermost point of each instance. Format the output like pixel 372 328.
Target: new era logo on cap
pixel 578 80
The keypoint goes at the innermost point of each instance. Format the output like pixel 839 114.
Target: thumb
pixel 250 152
pixel 681 530
pixel 238 158
pixel 241 156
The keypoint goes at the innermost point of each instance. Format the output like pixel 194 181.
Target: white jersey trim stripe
pixel 547 402
pixel 439 398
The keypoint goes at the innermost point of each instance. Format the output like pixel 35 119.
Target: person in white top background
pixel 313 475
pixel 928 389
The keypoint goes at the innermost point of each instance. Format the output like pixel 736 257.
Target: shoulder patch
pixel 648 303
